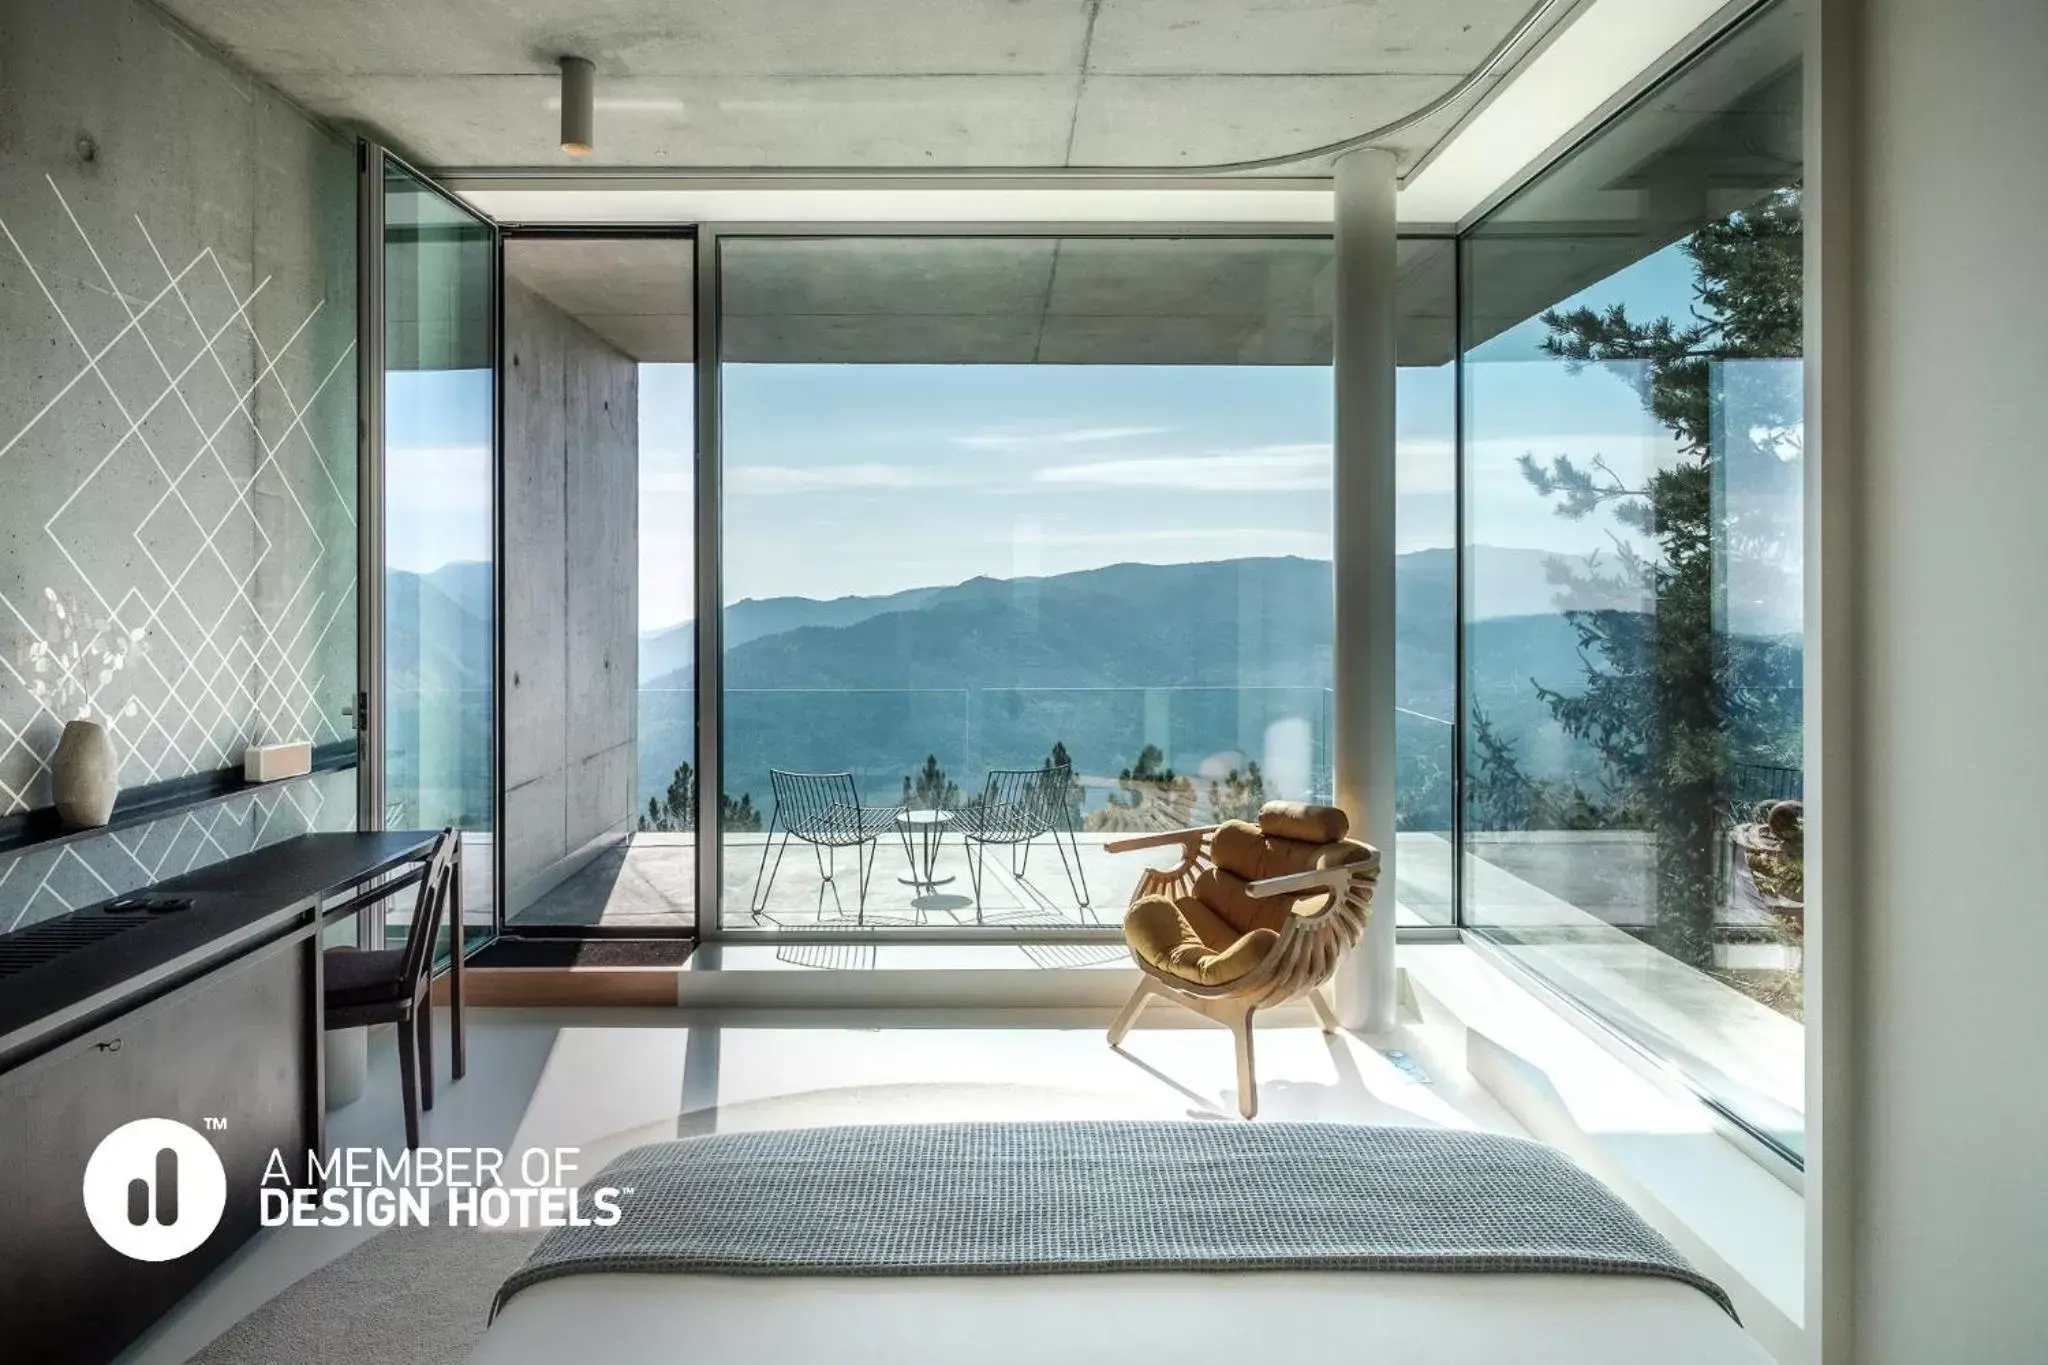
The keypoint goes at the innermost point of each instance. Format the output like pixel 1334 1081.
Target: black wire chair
pixel 1016 807
pixel 823 810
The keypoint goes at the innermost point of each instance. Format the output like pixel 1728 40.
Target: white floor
pixel 600 1081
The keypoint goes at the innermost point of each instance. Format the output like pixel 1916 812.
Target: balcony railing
pixel 1217 752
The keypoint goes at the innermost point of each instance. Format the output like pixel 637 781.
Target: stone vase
pixel 83 775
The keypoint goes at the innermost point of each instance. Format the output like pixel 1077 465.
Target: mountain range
pixel 1504 582
pixel 1216 663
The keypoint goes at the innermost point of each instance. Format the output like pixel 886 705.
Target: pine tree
pixel 1670 698
pixel 1070 799
pixel 675 810
pixel 1239 796
pixel 932 789
pixel 1149 796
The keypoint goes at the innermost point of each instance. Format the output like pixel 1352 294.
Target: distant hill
pixel 674 647
pixel 1214 662
pixel 1504 582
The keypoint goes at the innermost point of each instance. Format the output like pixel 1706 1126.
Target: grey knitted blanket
pixel 1046 1198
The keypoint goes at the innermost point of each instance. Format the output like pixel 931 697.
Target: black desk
pixel 211 1015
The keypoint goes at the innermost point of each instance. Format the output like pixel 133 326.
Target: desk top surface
pixel 65 971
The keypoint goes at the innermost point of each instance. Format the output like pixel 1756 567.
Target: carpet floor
pixel 408 1296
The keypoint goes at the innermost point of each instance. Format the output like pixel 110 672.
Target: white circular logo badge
pixel 155 1190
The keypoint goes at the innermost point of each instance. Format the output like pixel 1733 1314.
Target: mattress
pixel 1177 1316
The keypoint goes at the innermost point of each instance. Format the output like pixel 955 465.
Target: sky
pixel 864 479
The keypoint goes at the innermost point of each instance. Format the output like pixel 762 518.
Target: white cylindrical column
pixel 1363 714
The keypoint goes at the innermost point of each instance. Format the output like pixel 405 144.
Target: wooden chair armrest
pixel 1144 841
pixel 1336 879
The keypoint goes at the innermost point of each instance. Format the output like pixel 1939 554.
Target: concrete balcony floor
pixel 649 881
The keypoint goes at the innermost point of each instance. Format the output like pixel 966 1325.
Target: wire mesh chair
pixel 823 810
pixel 1017 806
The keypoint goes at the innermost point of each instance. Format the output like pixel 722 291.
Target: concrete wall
pixel 1935 1244
pixel 177 423
pixel 571 589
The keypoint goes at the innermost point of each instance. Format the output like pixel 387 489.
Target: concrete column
pixel 1363 713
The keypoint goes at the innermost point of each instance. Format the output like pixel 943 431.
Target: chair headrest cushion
pixel 1299 820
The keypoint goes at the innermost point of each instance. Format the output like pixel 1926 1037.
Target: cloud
pixel 783 480
pixel 1241 540
pixel 1251 469
pixel 1021 440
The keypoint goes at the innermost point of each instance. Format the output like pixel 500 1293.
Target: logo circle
pixel 155 1190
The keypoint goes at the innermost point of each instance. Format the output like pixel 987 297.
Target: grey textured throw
pixel 1048 1198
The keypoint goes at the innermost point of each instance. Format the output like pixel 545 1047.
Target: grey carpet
pixel 408 1296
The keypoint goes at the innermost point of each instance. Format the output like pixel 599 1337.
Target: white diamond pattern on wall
pixel 165 469
pixel 58 878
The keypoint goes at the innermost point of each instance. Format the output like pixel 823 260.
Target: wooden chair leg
pixel 424 1015
pixel 409 1081
pixel 1133 1007
pixel 1324 1014
pixel 1247 1082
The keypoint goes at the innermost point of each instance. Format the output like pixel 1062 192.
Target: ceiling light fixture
pixel 579 106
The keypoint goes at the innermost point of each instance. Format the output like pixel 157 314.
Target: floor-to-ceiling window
pixel 1632 541
pixel 439 590
pixel 1002 507
pixel 1425 580
pixel 1008 506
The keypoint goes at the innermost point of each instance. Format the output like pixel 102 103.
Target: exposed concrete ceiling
pixel 980 300
pixel 636 293
pixel 856 83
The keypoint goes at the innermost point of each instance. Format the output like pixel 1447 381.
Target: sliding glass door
pixel 438 634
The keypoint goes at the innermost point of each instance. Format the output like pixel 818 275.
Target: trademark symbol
pixel 214 1125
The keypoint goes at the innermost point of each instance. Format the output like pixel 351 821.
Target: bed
pixel 1073 1243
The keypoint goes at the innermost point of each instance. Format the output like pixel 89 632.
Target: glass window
pixel 1019 535
pixel 999 508
pixel 440 608
pixel 1633 610
pixel 1425 580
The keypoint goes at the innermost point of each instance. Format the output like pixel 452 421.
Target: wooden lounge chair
pixel 1253 916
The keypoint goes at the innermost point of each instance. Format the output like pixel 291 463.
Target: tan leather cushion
pixel 1185 938
pixel 1299 820
pixel 1244 854
pixel 1229 898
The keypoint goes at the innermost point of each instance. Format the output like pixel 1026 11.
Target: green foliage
pixel 932 789
pixel 1238 796
pixel 1149 796
pixel 675 811
pixel 1669 700
pixel 1071 797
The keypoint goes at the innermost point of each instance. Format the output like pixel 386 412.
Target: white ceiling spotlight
pixel 579 106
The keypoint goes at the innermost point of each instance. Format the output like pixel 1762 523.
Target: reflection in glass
pixel 1634 620
pixel 1426 580
pixel 440 611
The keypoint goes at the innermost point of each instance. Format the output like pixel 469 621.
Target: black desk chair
pixel 395 985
